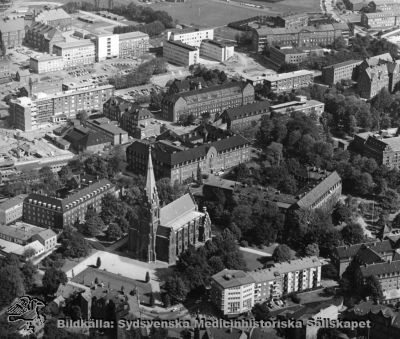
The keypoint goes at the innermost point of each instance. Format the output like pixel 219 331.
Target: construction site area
pixel 17 149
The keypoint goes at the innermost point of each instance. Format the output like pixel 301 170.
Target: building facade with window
pixel 43 37
pixel 179 163
pixel 333 74
pixel 179 53
pixel 213 99
pixel 286 82
pixel 76 53
pixel 46 63
pixel 133 44
pixel 232 291
pixel 12 32
pixel 190 36
pixel 43 210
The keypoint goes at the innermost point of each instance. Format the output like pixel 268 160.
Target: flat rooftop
pixel 284 76
pixel 182 45
pixel 74 44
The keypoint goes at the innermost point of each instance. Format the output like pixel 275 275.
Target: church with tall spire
pixel 165 232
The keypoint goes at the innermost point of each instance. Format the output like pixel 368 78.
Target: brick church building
pixel 165 232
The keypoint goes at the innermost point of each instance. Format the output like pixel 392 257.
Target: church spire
pixel 151 188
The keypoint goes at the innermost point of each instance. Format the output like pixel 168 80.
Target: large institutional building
pixel 379 258
pixel 377 73
pixel 190 36
pixel 178 163
pixel 236 292
pixel 165 232
pixel 307 36
pixel 382 146
pixel 286 82
pixel 29 113
pixel 76 53
pixel 43 37
pixel 179 53
pixel 43 210
pixel 214 99
pixel 333 74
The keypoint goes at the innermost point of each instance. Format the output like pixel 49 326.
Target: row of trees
pixel 195 267
pixel 152 28
pixel 141 75
pixel 132 12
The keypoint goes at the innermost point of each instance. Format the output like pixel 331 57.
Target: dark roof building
pixel 241 117
pixel 59 212
pixel 213 99
pixel 178 163
pixel 86 139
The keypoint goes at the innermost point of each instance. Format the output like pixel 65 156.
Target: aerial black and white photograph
pixel 200 169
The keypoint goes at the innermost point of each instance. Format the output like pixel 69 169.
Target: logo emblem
pixel 27 310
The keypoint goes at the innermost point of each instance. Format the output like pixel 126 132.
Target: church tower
pixel 143 233
pixel 154 209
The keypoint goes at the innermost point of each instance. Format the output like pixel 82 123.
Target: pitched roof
pixel 177 210
pixel 241 111
pixel 47 234
pixel 370 307
pixel 366 255
pixel 380 268
pixel 51 15
pixel 172 155
pixel 383 246
pixel 232 278
pixel 316 192
pixel 75 196
pixel 9 203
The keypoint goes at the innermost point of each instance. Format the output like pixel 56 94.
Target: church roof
pixel 179 212
pixel 151 188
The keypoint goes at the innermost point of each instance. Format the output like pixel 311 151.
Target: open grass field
pixel 217 13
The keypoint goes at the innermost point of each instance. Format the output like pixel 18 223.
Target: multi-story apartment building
pixel 55 17
pixel 190 36
pixel 133 44
pixel 213 99
pixel 64 211
pixel 333 74
pixel 29 113
pixel 301 104
pixel 179 163
pixel 46 63
pixel 12 32
pixel 286 82
pixel 308 36
pixel 11 210
pixel 232 291
pixel 287 277
pixel 179 53
pixel 377 73
pixel 76 53
pixel 107 46
pixel 380 20
pixel 241 117
pixel 216 50
pixel 236 292
pixel 42 37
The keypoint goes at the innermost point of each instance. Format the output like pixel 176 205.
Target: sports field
pixel 218 13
